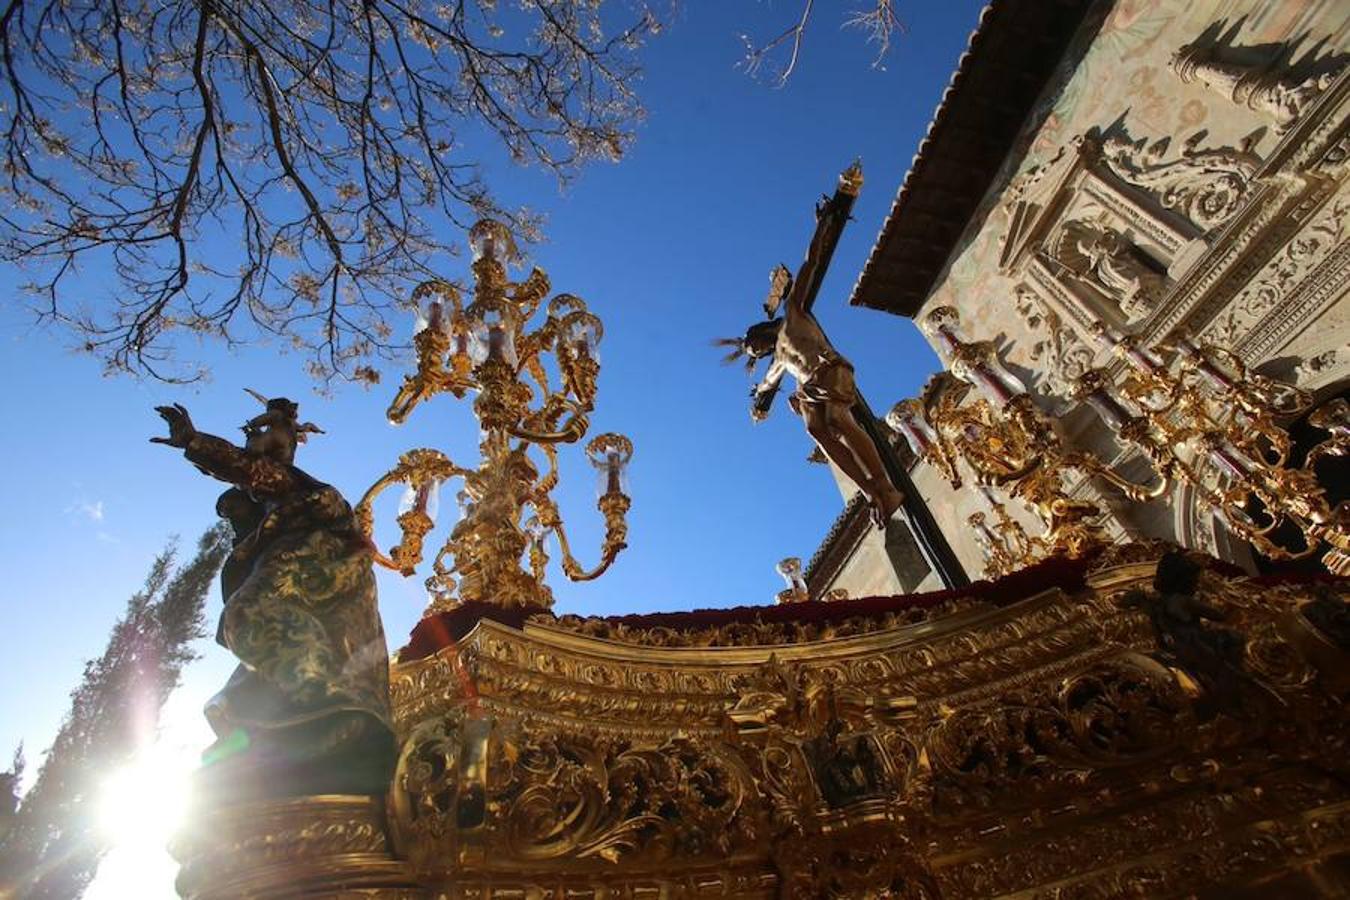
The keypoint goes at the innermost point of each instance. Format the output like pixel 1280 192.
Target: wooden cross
pixel 832 214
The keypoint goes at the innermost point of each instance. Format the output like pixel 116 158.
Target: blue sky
pixel 671 248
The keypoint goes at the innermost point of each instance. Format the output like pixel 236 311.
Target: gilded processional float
pixel 1109 720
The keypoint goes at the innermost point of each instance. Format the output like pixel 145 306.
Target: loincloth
pixel 830 382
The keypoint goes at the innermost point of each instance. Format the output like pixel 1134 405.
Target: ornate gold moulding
pixel 1096 739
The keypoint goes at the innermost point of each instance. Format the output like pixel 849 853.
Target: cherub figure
pixel 276 432
pixel 826 393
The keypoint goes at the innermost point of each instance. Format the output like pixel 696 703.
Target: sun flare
pixel 141 806
pixel 144 802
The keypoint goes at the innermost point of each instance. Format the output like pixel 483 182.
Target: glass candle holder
pixel 1093 389
pixel 610 454
pixel 791 569
pixel 431 315
pixel 581 333
pixel 994 380
pixel 491 337
pixel 489 239
pixel 906 417
pixel 424 498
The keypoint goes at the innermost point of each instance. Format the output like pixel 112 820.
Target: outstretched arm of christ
pixel 262 477
pixel 800 297
pixel 762 394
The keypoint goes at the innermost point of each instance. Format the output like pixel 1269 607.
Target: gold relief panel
pixel 1070 743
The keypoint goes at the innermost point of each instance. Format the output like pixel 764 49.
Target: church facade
pixel 1158 172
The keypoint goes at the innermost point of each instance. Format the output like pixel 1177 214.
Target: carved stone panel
pixel 1263 78
pixel 1059 354
pixel 1102 259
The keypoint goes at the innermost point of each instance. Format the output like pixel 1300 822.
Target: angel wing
pixel 780 283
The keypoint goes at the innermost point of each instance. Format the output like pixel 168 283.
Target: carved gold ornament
pixel 1073 738
pixel 488 349
pixel 1212 410
pixel 982 414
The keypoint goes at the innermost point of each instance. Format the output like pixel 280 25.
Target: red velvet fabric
pixel 443 630
pixel 436 632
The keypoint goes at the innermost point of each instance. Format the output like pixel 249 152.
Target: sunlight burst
pixel 144 802
pixel 140 808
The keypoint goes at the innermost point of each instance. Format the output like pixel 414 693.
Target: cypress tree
pixel 49 842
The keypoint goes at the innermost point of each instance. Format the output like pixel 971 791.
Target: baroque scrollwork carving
pixel 1055 737
pixel 286 848
pixel 473 788
pixel 1057 740
pixel 578 797
pixel 1056 349
pixel 754 633
pixel 1323 236
pixel 1206 185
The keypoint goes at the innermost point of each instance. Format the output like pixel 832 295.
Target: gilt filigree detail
pixel 988 752
pixel 1297 259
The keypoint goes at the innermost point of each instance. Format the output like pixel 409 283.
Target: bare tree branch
pixel 776 59
pixel 286 168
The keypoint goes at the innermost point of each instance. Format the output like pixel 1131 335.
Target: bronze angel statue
pixel 826 394
pixel 307 710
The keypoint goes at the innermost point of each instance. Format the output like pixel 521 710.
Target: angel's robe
pixel 307 710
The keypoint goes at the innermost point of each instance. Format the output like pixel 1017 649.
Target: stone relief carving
pixel 1262 78
pixel 1112 264
pixel 1057 349
pixel 1295 261
pixel 1313 368
pixel 1208 186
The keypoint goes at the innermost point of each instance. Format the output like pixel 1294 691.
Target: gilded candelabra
pixel 1212 408
pixel 790 568
pixel 1006 544
pixel 488 349
pixel 1006 441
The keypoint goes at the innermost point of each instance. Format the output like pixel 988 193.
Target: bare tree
pixel 283 167
pixel 776 58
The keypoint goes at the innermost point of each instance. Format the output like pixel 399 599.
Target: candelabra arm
pixel 1331 447
pixel 1141 390
pixel 614 506
pixel 571 431
pixel 1132 490
pixel 531 346
pixel 550 480
pixel 415 468
pixel 413 391
pixel 1256 392
pixel 943 457
pixel 1002 478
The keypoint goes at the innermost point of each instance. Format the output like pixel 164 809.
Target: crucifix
pixel 827 398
